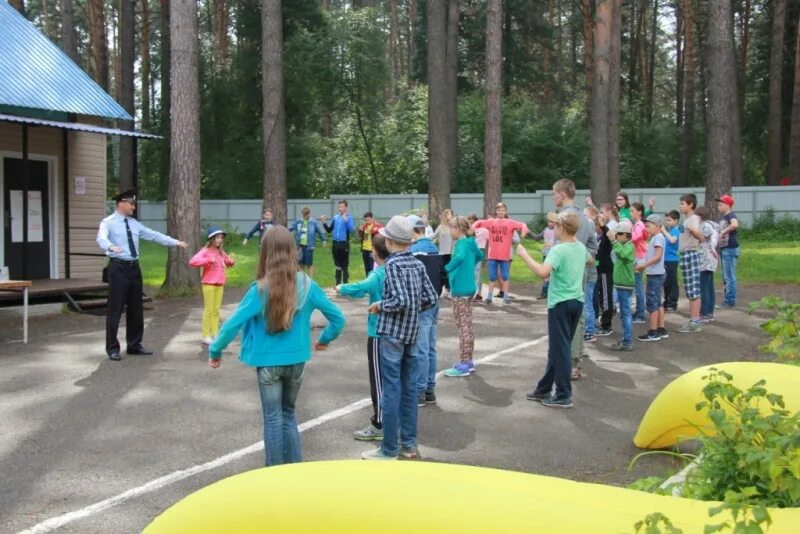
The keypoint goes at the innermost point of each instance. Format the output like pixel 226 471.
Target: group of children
pixel 409 276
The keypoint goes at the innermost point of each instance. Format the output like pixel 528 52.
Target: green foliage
pixel 747 518
pixel 767 226
pixel 752 456
pixel 653 523
pixel 783 329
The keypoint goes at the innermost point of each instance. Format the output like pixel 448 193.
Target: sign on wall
pixel 80 185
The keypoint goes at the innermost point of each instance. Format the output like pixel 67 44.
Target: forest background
pixel 311 98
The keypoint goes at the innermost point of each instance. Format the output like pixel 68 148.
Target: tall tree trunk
pixel 651 63
pixel 412 38
pixel 126 58
pixel 165 103
pixel 438 91
pixel 588 52
pixel 774 143
pixel 145 54
pixel 614 98
pixel 679 64
pixel 688 102
pixel 394 49
pixel 95 12
pixel 274 109
pixel 507 47
pixel 220 22
pixel 701 68
pixel 183 202
pixel 548 53
pixel 19 5
pixel 794 141
pixel 47 18
pixel 69 39
pixel 598 139
pixel 493 136
pixel 451 74
pixel 745 41
pixel 721 101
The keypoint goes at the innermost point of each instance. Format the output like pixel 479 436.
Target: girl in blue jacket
pixel 275 316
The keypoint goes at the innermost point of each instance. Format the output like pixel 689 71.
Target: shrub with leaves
pixel 783 329
pixel 754 453
pixel 656 523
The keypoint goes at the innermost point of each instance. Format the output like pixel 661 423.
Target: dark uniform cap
pixel 126 196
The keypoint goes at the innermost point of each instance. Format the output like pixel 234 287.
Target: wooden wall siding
pixel 87 154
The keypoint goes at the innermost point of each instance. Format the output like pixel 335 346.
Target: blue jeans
pixel 729 257
pixel 707 297
pixel 624 296
pixel 562 320
pixel 279 386
pixel 399 399
pixel 425 349
pixel 640 297
pixel 588 308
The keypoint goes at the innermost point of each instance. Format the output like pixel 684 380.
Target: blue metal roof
pixel 35 73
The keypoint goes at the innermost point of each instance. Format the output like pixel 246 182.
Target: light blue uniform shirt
pixel 341 228
pixel 112 232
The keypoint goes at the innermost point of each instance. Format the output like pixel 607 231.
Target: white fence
pixel 242 214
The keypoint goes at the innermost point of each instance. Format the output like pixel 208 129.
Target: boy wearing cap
pixel 426 251
pixel 213 260
pixel 406 292
pixel 624 280
pixel 653 267
pixel 729 248
pixel 118 236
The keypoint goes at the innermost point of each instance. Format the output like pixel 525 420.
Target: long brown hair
pixel 277 272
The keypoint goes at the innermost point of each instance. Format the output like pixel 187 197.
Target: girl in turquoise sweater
pixel 461 274
pixel 275 315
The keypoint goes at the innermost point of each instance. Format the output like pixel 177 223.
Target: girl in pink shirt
pixel 501 230
pixel 213 261
pixel 639 237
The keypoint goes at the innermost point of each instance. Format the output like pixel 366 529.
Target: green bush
pixel 783 329
pixel 767 226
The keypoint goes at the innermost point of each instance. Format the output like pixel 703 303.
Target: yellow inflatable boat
pixel 403 497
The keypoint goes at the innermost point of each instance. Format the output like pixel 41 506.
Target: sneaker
pixel 537 397
pixel 621 347
pixel 690 327
pixel 488 299
pixel 371 433
pixel 542 297
pixel 412 453
pixel 602 332
pixel 459 369
pixel 430 397
pixel 500 294
pixel 589 338
pixel 376 454
pixel 707 319
pixel 639 321
pixel 477 298
pixel 208 340
pixel 651 335
pixel 421 399
pixel 552 402
pixel 506 299
pixel 670 309
pixel 663 333
pixel 471 366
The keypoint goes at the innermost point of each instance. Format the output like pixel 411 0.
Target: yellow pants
pixel 212 302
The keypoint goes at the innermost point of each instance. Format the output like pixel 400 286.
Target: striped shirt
pixel 406 291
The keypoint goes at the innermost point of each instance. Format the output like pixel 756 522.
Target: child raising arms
pixel 565 265
pixel 213 261
pixel 275 314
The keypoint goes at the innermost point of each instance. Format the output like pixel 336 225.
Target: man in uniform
pixel 118 237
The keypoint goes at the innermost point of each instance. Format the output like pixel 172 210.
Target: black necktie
pixel 131 245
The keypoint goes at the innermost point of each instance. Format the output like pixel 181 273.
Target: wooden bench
pixel 19 285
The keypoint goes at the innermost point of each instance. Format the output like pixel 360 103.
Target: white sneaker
pixel 376 454
pixel 208 340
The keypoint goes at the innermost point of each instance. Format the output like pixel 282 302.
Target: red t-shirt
pixel 502 232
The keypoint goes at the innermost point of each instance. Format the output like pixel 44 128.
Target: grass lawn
pixel 760 262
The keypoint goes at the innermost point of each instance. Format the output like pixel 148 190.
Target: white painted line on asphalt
pixel 176 476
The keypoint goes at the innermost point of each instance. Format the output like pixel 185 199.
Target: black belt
pixel 340 241
pixel 126 262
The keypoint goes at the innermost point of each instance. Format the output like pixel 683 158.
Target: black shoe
pixel 537 397
pixel 500 295
pixel 430 397
pixel 421 400
pixel 140 350
pixel 114 356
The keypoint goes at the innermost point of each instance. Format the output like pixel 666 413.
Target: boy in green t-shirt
pixel 624 280
pixel 565 265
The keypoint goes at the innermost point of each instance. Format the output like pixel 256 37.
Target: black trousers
pixel 374 360
pixel 604 297
pixel 341 261
pixel 369 263
pixel 124 292
pixel 671 290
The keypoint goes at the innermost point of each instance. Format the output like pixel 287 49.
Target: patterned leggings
pixel 462 309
